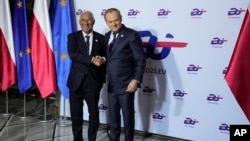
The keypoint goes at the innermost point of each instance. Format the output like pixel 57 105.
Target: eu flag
pixel 21 45
pixel 62 25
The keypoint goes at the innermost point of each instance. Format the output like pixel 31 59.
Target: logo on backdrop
pixel 234 12
pixel 192 69
pixel 212 98
pixel 224 128
pixel 154 43
pixel 103 12
pixel 133 12
pixel 217 42
pixel 189 122
pixel 179 94
pixel 79 11
pixel 148 91
pixel 162 13
pixel 197 13
pixel 224 71
pixel 102 107
pixel 158 117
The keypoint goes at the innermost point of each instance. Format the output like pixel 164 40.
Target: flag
pixel 7 52
pixel 42 55
pixel 62 25
pixel 22 48
pixel 238 73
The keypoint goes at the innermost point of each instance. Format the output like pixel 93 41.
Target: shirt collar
pixel 90 34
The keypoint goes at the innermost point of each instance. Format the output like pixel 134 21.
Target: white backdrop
pixel 188 46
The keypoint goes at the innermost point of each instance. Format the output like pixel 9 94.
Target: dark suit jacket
pixel 81 62
pixel 126 61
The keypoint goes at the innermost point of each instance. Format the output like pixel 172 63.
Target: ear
pixel 93 22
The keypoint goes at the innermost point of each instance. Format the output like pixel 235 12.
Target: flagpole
pixel 24 108
pixel 45 117
pixel 63 120
pixel 7 104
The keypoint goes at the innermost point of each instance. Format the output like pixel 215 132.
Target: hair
pixel 110 10
pixel 92 15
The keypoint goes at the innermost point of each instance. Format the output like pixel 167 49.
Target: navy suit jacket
pixel 126 61
pixel 81 62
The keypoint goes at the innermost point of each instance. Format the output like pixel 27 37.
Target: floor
pixel 27 117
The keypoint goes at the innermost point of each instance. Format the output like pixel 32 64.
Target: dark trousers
pixel 90 92
pixel 124 102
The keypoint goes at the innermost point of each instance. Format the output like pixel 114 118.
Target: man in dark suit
pixel 87 75
pixel 125 67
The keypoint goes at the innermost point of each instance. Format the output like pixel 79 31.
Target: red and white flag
pixel 42 55
pixel 7 53
pixel 238 74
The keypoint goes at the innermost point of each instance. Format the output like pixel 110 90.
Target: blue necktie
pixel 87 44
pixel 113 42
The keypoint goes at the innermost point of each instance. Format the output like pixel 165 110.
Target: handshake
pixel 98 60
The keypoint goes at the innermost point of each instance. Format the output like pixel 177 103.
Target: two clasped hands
pixel 98 60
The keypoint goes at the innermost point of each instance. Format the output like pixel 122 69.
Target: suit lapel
pixel 107 36
pixel 119 37
pixel 94 43
pixel 81 42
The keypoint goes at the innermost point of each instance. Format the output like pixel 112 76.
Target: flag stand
pixel 45 117
pixel 7 105
pixel 63 120
pixel 24 115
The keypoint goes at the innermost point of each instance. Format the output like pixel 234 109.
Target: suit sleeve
pixel 139 56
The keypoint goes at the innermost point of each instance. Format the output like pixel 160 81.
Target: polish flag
pixel 41 49
pixel 7 53
pixel 238 74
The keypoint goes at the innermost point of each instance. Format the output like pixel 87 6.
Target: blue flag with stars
pixel 22 47
pixel 62 24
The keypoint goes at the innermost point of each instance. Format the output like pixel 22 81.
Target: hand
pixel 98 60
pixel 132 86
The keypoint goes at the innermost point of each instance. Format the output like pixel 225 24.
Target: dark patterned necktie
pixel 113 42
pixel 87 44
